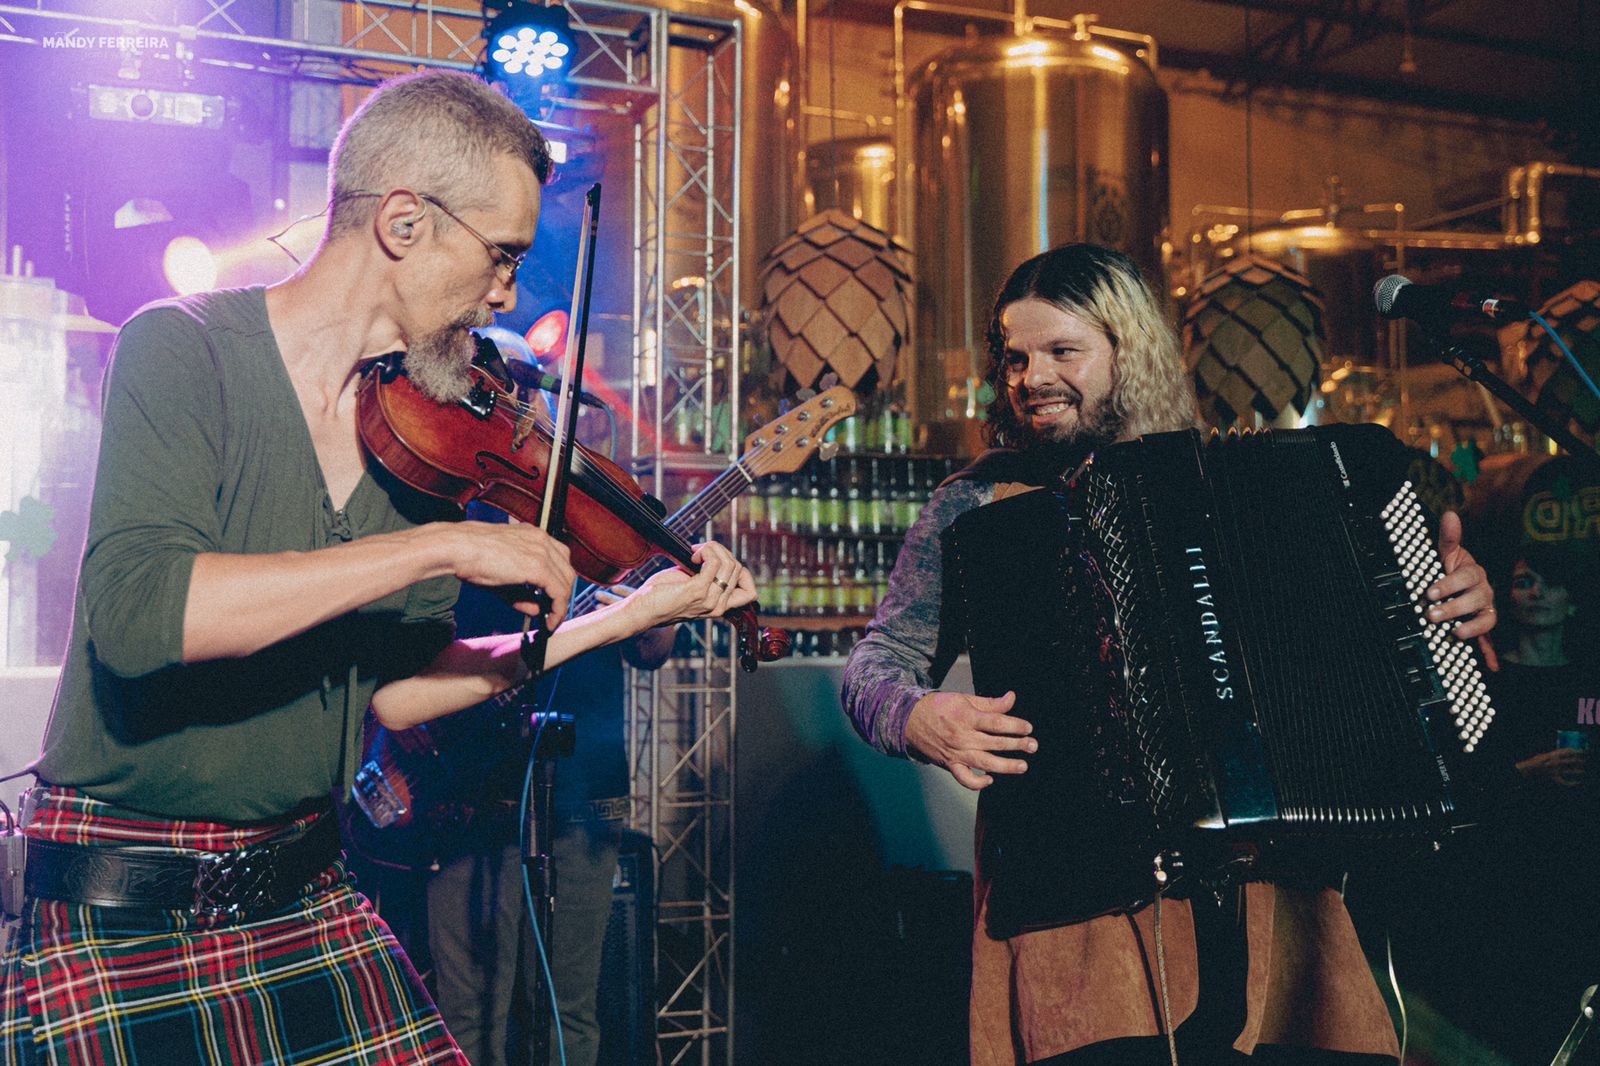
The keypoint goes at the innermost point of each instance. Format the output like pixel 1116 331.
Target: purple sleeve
pixel 902 657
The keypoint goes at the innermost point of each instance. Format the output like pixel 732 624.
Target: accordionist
pixel 1081 358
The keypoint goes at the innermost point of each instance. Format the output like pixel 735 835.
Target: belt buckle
pixel 230 883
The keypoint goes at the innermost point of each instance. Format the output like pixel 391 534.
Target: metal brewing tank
pixel 854 174
pixel 768 160
pixel 1343 263
pixel 1019 144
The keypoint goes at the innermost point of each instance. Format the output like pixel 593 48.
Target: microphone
pixel 528 375
pixel 494 341
pixel 1396 296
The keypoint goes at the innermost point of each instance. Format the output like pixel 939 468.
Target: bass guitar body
pixel 420 792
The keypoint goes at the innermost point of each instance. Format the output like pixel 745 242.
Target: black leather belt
pixel 227 884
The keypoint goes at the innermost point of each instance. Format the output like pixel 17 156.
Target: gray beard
pixel 439 364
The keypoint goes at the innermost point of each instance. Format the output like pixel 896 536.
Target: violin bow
pixel 553 513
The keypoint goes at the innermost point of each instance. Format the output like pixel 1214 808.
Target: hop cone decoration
pixel 1573 312
pixel 836 297
pixel 1253 337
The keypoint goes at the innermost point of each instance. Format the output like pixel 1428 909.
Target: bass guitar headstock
pixel 786 444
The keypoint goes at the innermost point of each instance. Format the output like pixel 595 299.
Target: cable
pixel 527 888
pixel 1249 143
pixel 1166 998
pixel 616 440
pixel 1399 1000
pixel 1587 380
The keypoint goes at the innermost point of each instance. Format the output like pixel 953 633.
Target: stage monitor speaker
pixel 627 996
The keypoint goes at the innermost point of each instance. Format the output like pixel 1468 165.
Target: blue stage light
pixel 529 42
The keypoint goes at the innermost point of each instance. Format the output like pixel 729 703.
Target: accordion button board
pixel 1223 647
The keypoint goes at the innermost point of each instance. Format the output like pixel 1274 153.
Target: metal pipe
pixel 802 69
pixel 872 122
pixel 735 368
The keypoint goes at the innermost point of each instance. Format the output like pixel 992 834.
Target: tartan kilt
pixel 321 982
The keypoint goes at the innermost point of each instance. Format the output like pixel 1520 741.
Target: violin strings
pixel 611 495
pixel 603 489
pixel 583 602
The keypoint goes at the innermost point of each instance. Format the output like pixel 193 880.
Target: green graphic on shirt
pixel 29 530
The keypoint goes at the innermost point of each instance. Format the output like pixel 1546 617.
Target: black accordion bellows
pixel 1222 649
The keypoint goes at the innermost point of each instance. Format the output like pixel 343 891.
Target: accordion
pixel 1222 649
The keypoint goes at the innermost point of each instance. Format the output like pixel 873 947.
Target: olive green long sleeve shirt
pixel 205 448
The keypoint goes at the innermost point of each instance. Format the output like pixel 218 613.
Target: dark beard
pixel 439 364
pixel 1093 428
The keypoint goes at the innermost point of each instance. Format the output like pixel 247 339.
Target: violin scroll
pixel 757 643
pixel 774 644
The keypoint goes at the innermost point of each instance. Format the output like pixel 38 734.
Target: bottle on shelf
pixel 782 580
pixel 794 505
pixel 841 589
pixel 821 580
pixel 877 508
pixel 753 509
pixel 814 499
pixel 846 434
pixel 855 507
pixel 833 502
pixel 902 497
pixel 805 579
pixel 772 490
pixel 882 566
pixel 861 600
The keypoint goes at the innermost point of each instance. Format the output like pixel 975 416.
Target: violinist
pixel 251 583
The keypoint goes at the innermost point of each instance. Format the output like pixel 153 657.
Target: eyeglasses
pixel 506 262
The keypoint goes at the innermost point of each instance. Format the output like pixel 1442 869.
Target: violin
pixel 488 446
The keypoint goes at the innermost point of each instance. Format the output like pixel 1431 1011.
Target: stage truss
pixel 677 78
pixel 686 385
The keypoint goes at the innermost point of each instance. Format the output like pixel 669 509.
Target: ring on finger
pixel 720 583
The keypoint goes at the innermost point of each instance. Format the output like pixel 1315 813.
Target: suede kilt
pixel 322 981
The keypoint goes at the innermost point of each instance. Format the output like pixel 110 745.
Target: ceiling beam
pixel 1372 24
pixel 1234 70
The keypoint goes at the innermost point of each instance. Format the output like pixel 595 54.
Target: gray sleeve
pixel 155 492
pixel 904 656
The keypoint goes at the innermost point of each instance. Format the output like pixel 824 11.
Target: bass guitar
pixel 419 789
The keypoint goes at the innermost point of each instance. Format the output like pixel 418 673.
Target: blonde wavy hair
pixel 1150 390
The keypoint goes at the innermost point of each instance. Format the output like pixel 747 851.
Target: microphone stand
pixel 554 737
pixel 536 839
pixel 1471 365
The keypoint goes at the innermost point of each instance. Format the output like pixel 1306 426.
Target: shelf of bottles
pixel 822 542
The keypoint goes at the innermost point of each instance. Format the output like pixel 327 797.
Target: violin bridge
pixel 524 430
